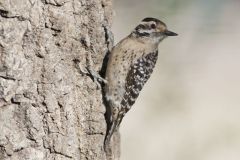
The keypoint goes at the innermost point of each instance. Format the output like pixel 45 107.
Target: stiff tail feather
pixel 113 127
pixel 110 132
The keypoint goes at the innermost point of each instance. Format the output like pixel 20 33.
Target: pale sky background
pixel 190 107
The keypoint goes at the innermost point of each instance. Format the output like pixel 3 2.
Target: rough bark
pixel 48 110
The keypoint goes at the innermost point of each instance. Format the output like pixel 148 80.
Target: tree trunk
pixel 48 108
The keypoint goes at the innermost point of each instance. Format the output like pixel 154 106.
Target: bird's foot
pixel 97 78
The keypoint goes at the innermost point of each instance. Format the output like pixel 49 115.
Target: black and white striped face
pixel 152 28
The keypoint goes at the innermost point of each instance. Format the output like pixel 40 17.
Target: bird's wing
pixel 137 76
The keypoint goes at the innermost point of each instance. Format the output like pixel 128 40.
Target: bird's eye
pixel 153 26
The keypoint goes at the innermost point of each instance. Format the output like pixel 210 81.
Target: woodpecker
pixel 130 65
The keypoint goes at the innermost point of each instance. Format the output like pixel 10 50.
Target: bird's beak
pixel 170 33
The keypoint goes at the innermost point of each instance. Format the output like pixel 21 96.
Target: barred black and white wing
pixel 137 76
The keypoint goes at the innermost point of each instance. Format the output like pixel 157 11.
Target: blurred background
pixel 190 107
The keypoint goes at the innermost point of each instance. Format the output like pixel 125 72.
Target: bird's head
pixel 152 29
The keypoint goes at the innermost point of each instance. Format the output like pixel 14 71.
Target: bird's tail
pixel 113 127
pixel 109 134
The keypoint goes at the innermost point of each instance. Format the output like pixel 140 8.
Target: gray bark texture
pixel 48 108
